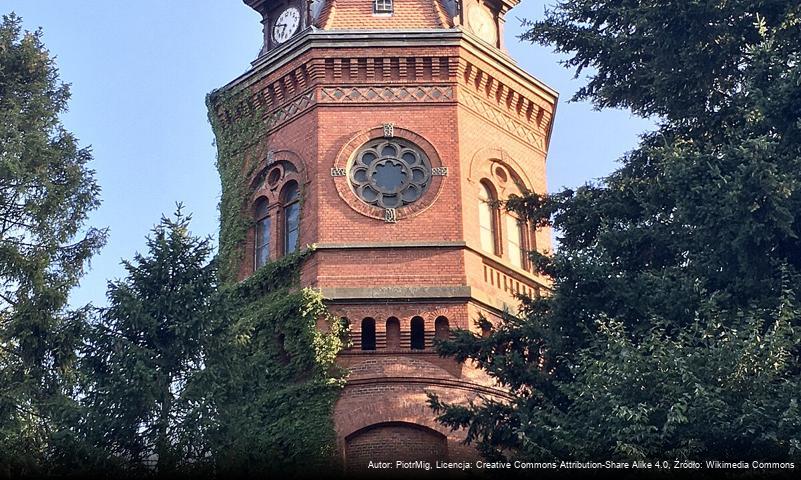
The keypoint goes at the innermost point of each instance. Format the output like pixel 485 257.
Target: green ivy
pixel 237 139
pixel 271 381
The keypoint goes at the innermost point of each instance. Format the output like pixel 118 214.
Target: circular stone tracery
pixel 390 173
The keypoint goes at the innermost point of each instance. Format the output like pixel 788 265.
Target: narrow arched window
pixel 515 239
pixel 344 323
pixel 418 334
pixel 487 221
pixel 442 329
pixel 263 233
pixel 290 200
pixel 393 333
pixel 368 334
pixel 531 246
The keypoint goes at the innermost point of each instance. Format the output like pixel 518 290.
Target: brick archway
pixel 393 441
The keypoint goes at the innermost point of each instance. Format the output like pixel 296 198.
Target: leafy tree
pixel 145 349
pixel 706 391
pixel 679 266
pixel 46 193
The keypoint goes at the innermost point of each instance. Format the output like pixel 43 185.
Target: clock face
pixel 286 25
pixel 481 23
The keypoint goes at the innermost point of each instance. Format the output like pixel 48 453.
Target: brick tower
pixel 389 127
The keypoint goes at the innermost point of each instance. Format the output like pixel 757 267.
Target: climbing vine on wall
pixel 271 374
pixel 238 130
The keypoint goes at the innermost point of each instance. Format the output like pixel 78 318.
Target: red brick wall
pixel 464 141
pixel 472 115
pixel 392 442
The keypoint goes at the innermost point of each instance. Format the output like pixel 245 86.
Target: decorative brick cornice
pixel 517 121
pixel 504 95
pixel 505 120
pixel 387 94
pixel 526 117
pixel 404 69
pixel 283 114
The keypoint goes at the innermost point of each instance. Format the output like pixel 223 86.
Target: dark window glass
pixel 382 6
pixel 368 334
pixel 418 334
pixel 261 208
pixel 263 241
pixel 290 197
pixel 389 151
pixel 292 216
pixel 390 173
pixel 441 328
pixel 389 177
pixel 263 233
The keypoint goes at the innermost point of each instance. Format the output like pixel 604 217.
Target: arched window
pixel 368 334
pixel 516 241
pixel 487 218
pixel 442 329
pixel 290 200
pixel 418 334
pixel 263 232
pixel 393 333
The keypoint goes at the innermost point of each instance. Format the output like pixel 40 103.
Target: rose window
pixel 390 173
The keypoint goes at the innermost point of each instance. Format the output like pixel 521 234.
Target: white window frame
pixel 383 7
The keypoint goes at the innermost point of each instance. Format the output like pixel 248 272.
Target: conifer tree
pixel 673 324
pixel 144 350
pixel 46 193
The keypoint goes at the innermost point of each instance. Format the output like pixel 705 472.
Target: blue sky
pixel 140 71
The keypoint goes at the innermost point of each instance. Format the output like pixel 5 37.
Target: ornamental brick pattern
pixel 400 276
pixel 421 93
